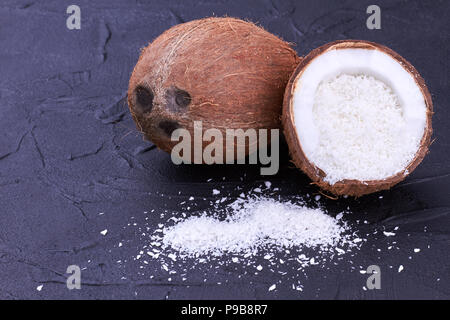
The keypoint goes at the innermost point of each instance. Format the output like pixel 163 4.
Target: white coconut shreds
pixel 254 224
pixel 362 130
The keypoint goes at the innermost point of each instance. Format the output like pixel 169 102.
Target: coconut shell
pixel 225 72
pixel 350 187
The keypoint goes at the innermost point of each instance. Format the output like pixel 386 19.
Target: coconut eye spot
pixel 144 99
pixel 168 127
pixel 183 99
pixel 177 100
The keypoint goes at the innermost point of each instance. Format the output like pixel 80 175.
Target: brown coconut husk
pixel 350 187
pixel 225 72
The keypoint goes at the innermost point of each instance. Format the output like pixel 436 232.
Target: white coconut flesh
pixel 358 114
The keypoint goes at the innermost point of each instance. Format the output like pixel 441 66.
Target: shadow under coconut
pixel 289 182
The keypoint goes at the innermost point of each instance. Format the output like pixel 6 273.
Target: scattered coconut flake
pixel 172 257
pixel 272 287
pixel 388 234
pixel 400 268
pixel 39 288
pixel 298 288
pixel 104 232
pixel 215 191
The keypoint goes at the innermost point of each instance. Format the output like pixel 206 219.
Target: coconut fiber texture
pixel 225 72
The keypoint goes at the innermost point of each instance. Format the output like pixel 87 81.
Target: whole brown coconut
pixel 225 72
pixel 351 187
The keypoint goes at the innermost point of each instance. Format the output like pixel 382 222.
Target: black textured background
pixel 69 150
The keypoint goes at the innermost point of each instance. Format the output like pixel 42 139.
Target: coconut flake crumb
pixel 362 131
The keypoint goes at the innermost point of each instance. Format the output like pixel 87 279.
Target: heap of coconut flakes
pixel 252 226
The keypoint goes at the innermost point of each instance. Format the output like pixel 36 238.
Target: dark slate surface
pixel 69 150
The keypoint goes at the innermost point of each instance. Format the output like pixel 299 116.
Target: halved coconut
pixel 357 117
